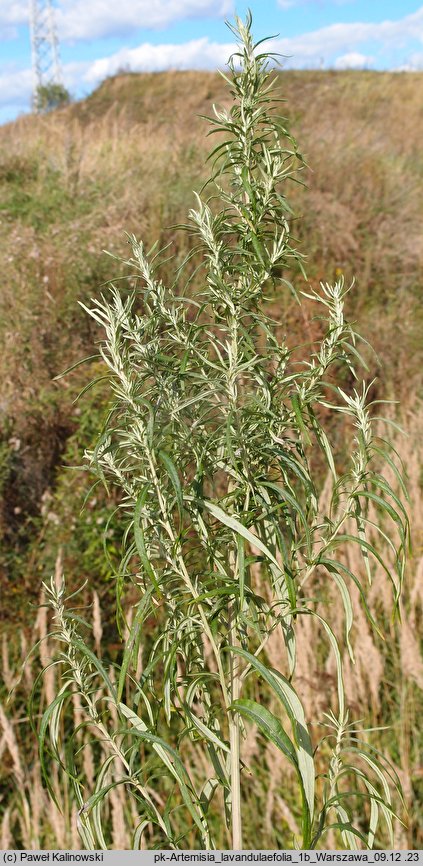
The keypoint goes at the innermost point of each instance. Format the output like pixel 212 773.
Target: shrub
pixel 217 439
pixel 51 96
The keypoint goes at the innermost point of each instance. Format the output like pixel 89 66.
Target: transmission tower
pixel 46 66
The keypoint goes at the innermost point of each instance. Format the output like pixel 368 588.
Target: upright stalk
pixel 234 678
pixel 234 732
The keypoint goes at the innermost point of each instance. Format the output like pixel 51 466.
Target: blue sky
pixel 99 37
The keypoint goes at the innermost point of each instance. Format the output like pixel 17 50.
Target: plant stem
pixel 234 676
pixel 234 735
pixel 187 579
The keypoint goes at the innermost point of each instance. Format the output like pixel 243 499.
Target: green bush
pixel 215 441
pixel 48 97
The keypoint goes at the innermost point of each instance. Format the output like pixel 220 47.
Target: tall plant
pixel 213 440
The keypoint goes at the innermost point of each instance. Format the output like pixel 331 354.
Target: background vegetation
pixel 71 184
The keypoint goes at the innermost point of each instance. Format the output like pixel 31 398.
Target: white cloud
pixel 197 54
pixel 353 60
pixel 414 63
pixel 328 42
pixel 11 15
pixel 336 45
pixel 16 87
pixel 95 19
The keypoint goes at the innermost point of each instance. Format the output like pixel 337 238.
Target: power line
pixel 46 67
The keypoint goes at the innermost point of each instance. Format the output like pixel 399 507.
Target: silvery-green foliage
pixel 212 439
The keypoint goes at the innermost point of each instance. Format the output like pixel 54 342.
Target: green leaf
pixel 140 542
pixel 174 477
pixel 95 661
pixel 206 732
pixel 234 524
pixel 207 793
pixel 133 639
pixel 334 565
pixel 384 506
pixel 295 400
pixel 349 616
pixel 283 689
pixel 74 366
pixel 259 249
pixel 365 546
pixel 272 729
pixel 326 448
pixel 269 725
pixel 55 706
pixel 348 832
pixel 241 569
pixel 172 761
pixel 95 801
pixel 388 459
pixel 137 839
pixel 285 495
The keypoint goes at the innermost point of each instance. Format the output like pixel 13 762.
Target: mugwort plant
pixel 218 441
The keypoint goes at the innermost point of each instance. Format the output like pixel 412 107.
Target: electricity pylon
pixel 46 66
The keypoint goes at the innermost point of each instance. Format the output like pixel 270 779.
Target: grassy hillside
pixel 127 160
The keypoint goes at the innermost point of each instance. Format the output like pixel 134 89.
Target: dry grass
pixel 127 159
pixel 384 686
pixel 29 819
